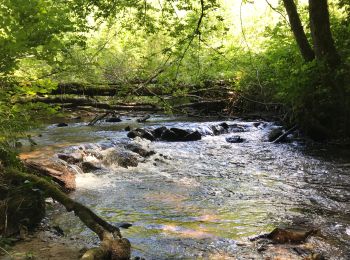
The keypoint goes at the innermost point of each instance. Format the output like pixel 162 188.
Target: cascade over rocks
pixel 184 135
pixel 122 158
pixel 90 157
pixel 137 148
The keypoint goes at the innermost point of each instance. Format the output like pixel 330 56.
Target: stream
pixel 203 199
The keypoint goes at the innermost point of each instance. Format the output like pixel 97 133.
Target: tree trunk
pixel 298 30
pixel 321 33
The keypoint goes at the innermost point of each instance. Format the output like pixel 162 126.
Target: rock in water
pixel 113 120
pixel 72 158
pixel 159 131
pixel 169 135
pixel 235 139
pixel 142 133
pixel 61 125
pixel 180 135
pixel 274 134
pixel 123 225
pixel 89 166
pixel 194 136
pixel 137 148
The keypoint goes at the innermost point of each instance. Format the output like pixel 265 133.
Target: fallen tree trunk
pixel 210 105
pixel 78 102
pixel 140 88
pixel 113 245
pixel 110 91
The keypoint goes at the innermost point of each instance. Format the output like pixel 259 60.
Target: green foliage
pixel 173 45
pixel 36 27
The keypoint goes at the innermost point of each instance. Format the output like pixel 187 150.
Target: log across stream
pixel 204 199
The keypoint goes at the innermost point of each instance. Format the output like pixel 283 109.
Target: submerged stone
pixel 235 139
pixel 113 120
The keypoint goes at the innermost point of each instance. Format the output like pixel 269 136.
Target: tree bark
pixel 321 33
pixel 298 30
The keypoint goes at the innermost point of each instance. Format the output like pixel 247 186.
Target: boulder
pixel 122 158
pixel 194 136
pixel 113 119
pixel 89 166
pixel 169 135
pixel 72 158
pixel 219 129
pixel 235 139
pixel 224 125
pixel 180 135
pixel 274 134
pixel 257 124
pixel 157 133
pixel 137 148
pixel 61 125
pixel 142 133
pixel 126 160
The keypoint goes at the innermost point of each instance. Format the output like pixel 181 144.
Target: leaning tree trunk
pixel 298 30
pixel 321 33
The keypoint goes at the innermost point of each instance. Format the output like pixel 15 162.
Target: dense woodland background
pixel 291 57
pixel 286 58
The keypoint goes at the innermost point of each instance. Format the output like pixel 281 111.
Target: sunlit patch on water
pixel 173 230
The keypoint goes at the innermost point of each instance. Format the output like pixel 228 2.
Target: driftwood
pixel 113 245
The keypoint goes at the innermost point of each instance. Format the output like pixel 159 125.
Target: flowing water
pixel 202 199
